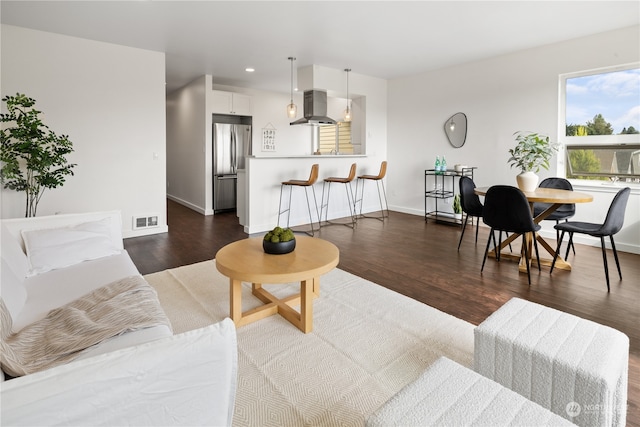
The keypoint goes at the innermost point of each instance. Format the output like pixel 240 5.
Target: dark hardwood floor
pixel 420 260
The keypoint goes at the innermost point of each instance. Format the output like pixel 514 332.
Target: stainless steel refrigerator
pixel 231 143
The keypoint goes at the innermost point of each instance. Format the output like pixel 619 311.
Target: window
pixel 604 161
pixel 340 132
pixel 600 117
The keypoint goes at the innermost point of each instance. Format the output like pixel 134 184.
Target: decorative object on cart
pixel 33 157
pixel 532 152
pixel 279 241
pixel 457 207
pixel 458 167
pixel 292 110
pixel 347 112
pixel 456 129
pixel 440 166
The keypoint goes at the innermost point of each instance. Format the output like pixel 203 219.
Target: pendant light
pixel 292 110
pixel 452 125
pixel 347 112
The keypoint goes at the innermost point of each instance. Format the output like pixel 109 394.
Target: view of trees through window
pixel 603 111
pixel 603 104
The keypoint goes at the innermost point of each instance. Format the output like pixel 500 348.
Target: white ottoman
pixel 572 366
pixel 448 394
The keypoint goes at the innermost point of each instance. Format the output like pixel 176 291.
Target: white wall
pixel 517 92
pixel 187 145
pixel 110 100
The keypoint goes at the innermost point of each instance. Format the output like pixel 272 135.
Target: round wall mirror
pixel 456 129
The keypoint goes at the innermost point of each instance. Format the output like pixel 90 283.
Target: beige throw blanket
pixel 122 306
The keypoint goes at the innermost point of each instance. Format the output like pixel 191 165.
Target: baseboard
pixel 126 234
pixel 190 205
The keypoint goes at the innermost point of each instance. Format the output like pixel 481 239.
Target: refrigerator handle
pixel 234 165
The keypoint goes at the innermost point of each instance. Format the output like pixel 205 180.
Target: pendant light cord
pixel 291 58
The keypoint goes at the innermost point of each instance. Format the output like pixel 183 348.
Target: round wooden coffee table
pixel 245 261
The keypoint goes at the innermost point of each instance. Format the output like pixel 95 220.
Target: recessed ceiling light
pixel 249 70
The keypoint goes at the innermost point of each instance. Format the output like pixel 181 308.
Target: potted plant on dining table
pixel 532 152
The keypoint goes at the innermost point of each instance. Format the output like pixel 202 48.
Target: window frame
pixel 589 140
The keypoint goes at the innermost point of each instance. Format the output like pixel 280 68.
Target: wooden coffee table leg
pixel 306 305
pixel 235 309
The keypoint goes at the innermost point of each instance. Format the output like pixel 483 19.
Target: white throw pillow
pixel 12 253
pixel 55 248
pixel 12 290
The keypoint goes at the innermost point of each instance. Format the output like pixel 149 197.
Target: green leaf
pixel 33 157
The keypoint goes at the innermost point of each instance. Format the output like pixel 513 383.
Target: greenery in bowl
pixel 279 235
pixel 532 152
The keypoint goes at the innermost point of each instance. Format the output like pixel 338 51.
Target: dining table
pixel 555 198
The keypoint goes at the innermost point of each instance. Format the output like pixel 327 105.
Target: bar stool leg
pixel 386 204
pixel 381 194
pixel 350 202
pixel 356 200
pixel 324 205
pixel 288 209
pixel 350 199
pixel 306 193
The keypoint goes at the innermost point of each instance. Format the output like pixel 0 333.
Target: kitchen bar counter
pixel 264 176
pixel 311 156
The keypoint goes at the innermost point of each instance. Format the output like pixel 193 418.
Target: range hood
pixel 315 109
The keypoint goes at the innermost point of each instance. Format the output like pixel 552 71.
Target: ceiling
pixel 385 39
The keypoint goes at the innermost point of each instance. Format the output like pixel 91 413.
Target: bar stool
pixel 305 184
pixel 378 180
pixel 350 197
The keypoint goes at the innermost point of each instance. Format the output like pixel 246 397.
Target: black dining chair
pixel 506 208
pixel 470 203
pixel 564 212
pixel 612 224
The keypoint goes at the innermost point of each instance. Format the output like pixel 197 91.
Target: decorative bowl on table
pixel 279 241
pixel 278 248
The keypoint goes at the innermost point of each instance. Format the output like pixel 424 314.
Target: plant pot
pixel 457 216
pixel 279 248
pixel 527 181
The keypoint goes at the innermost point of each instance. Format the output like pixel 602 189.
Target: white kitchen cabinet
pixel 231 103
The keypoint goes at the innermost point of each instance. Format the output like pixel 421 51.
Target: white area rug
pixel 367 343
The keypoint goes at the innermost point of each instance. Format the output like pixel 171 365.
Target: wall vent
pixel 145 221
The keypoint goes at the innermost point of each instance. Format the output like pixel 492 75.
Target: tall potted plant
pixel 33 158
pixel 532 152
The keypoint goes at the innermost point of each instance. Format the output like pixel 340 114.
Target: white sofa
pixel 143 377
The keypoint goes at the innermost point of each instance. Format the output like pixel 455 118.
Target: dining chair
pixel 612 224
pixel 564 212
pixel 470 203
pixel 506 208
